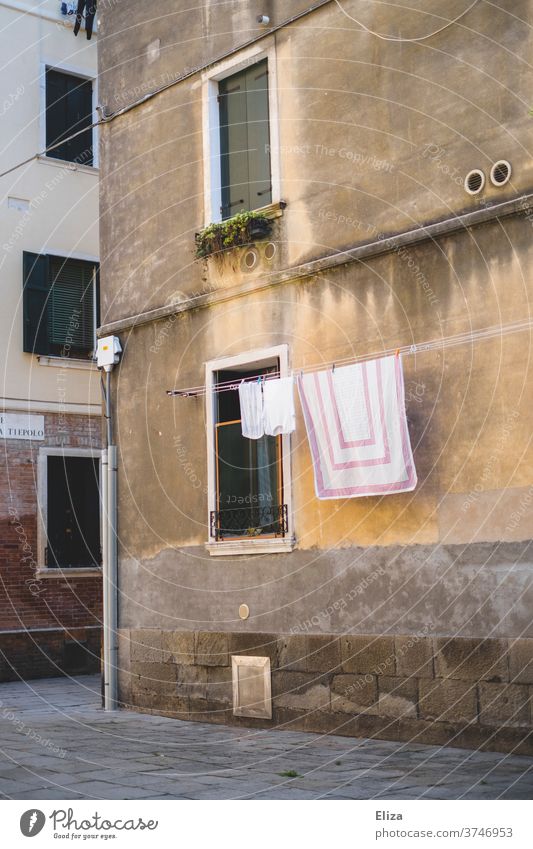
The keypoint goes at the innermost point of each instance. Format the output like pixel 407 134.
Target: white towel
pixel 251 401
pixel 357 429
pixel 278 403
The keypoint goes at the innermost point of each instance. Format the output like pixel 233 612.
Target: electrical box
pixel 108 351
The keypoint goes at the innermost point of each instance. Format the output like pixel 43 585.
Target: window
pixel 244 140
pixel 241 133
pixel 70 508
pixel 248 471
pixel 60 305
pixel 69 108
pixel 249 480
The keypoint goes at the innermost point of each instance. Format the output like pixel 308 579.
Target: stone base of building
pixel 471 693
pixel 46 653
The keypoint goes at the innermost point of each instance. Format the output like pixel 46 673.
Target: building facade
pixel 387 154
pixel 50 567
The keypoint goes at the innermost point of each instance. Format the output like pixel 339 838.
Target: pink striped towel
pixel 357 429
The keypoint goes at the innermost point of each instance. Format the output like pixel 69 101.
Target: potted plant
pixel 242 229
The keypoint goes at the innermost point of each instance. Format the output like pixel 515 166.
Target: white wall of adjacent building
pixel 47 206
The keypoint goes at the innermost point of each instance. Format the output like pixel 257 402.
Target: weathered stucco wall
pixel 375 138
pixel 468 411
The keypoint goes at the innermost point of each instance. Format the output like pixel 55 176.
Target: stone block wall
pixel 472 693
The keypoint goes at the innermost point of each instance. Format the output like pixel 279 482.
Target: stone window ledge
pixel 250 546
pixel 67 165
pixel 66 362
pixel 273 210
pixel 82 572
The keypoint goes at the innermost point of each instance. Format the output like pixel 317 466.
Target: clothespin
pixel 333 369
pixel 397 352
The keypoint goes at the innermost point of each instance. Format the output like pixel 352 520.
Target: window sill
pixel 69 166
pixel 65 362
pixel 273 210
pixel 251 546
pixel 75 572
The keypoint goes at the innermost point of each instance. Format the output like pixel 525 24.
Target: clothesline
pixel 492 332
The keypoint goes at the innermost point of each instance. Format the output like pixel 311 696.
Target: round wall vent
pixel 500 173
pixel 474 181
pixel 250 259
pixel 270 251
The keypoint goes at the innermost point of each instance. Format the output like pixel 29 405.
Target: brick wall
pixel 439 690
pixel 47 603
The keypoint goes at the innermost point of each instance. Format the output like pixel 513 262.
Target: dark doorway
pixel 73 512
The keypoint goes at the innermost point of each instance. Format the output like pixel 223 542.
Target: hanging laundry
pixel 90 6
pixel 278 402
pixel 357 429
pixel 251 401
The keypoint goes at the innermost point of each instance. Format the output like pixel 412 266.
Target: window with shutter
pixel 245 140
pixel 69 109
pixel 60 303
pixel 71 310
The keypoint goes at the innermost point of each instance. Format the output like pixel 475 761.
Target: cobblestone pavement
pixel 57 743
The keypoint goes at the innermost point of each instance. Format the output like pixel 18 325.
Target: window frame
pixel 74 71
pixel 42 508
pixel 211 124
pixel 52 358
pixel 259 357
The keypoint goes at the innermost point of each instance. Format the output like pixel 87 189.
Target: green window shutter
pixel 35 303
pixel 69 109
pixel 259 176
pixel 234 145
pixel 71 310
pixel 97 298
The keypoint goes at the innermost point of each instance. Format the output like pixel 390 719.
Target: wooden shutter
pixel 35 303
pixel 71 310
pixel 234 145
pixel 69 109
pixel 259 176
pixel 245 140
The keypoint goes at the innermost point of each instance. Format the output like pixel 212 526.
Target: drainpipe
pixel 107 356
pixel 110 574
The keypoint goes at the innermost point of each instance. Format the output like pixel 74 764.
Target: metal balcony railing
pixel 249 522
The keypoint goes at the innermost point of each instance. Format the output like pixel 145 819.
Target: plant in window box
pixel 242 229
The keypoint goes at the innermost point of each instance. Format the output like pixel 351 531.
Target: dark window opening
pixel 76 656
pixel 246 181
pixel 249 477
pixel 60 305
pixel 69 109
pixel 73 526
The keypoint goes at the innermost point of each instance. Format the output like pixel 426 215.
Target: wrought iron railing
pixel 250 522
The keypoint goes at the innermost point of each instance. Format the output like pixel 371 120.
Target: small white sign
pixel 21 426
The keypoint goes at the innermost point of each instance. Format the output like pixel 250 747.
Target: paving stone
pixel 112 752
